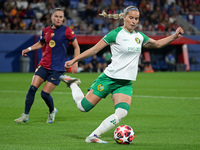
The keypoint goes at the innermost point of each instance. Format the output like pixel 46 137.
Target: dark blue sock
pixel 48 100
pixel 30 96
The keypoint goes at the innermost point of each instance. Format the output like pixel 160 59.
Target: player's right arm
pixel 88 53
pixel 36 46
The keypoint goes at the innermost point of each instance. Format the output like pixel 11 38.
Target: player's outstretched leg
pixel 73 83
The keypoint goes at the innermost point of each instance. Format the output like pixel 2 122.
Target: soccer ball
pixel 124 134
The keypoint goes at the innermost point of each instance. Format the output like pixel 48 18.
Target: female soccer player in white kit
pixel 126 45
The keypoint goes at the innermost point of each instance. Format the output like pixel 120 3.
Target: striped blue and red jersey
pixel 56 43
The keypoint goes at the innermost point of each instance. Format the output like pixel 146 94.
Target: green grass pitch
pixel 164 114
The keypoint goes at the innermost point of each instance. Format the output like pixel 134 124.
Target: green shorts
pixel 105 85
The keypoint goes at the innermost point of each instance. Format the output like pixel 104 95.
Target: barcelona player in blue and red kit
pixel 55 39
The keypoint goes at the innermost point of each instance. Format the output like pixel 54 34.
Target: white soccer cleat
pixel 23 118
pixel 51 116
pixel 69 80
pixel 94 139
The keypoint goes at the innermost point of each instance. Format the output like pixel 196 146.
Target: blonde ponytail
pixel 114 16
pixel 118 16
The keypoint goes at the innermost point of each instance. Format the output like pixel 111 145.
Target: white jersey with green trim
pixel 125 48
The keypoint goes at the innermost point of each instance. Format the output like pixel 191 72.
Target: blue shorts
pixel 49 75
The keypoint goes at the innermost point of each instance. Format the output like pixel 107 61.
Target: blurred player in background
pixel 126 45
pixel 171 61
pixel 55 39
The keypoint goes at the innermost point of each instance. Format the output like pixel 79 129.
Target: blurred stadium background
pixel 21 22
pixel 165 110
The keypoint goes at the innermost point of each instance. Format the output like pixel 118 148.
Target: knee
pixel 44 95
pixel 31 92
pixel 80 107
pixel 32 89
pixel 84 105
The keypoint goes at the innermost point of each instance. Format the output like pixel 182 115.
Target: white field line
pixel 142 96
pixel 165 97
pixel 176 90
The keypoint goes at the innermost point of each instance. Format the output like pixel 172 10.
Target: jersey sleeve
pixel 42 37
pixel 69 34
pixel 110 37
pixel 146 39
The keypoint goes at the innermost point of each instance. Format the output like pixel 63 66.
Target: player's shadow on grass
pixel 75 136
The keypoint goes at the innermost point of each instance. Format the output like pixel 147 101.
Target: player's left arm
pixel 76 53
pixel 165 41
